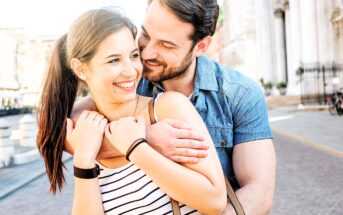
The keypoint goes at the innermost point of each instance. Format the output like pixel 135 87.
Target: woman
pixel 100 51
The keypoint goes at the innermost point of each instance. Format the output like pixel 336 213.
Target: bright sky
pixel 53 17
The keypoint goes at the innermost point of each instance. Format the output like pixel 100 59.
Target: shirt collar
pixel 205 76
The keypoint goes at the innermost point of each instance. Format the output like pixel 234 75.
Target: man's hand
pixel 177 141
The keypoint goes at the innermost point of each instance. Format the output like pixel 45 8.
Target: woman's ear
pixel 79 68
pixel 202 45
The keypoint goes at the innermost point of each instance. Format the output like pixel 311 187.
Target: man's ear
pixel 79 68
pixel 202 45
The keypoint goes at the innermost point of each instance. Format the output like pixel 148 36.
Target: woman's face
pixel 114 72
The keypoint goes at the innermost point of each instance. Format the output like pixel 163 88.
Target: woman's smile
pixel 126 85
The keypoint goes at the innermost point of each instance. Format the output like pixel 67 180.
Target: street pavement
pixel 34 198
pixel 309 148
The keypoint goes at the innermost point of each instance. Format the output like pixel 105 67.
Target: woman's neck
pixel 115 111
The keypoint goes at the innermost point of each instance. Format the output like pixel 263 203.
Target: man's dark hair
pixel 202 14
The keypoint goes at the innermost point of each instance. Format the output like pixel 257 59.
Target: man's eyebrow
pixel 164 41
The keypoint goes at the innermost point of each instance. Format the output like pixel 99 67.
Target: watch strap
pixel 87 173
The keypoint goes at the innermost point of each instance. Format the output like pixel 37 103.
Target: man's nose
pixel 148 51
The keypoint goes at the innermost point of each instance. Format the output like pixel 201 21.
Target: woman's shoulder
pixel 172 103
pixel 172 98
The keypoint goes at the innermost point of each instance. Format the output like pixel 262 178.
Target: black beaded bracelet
pixel 87 173
pixel 133 146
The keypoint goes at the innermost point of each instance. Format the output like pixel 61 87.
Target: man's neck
pixel 184 84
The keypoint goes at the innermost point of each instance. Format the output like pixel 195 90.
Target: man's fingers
pixel 191 144
pixel 177 123
pixel 195 153
pixel 181 159
pixel 189 134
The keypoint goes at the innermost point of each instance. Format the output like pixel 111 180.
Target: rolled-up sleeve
pixel 251 116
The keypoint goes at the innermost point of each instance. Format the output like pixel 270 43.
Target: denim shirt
pixel 232 106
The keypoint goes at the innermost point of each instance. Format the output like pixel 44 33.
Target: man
pixel 174 36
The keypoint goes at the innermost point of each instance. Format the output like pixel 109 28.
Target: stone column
pixel 337 23
pixel 264 39
pixel 295 43
pixel 310 55
pixel 288 42
pixel 325 32
pixel 309 34
pixel 280 45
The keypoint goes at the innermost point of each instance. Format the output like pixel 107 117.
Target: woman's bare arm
pixel 200 186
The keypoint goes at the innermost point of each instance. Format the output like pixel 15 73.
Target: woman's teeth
pixel 126 84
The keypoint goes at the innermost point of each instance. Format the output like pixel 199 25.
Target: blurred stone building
pixel 22 65
pixel 297 42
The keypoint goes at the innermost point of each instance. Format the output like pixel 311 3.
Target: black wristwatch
pixel 87 173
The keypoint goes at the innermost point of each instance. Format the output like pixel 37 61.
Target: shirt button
pixel 222 143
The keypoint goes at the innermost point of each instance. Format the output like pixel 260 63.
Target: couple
pixel 174 35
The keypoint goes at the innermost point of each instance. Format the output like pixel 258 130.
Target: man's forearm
pixel 256 199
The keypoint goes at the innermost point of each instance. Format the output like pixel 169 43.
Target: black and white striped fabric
pixel 128 190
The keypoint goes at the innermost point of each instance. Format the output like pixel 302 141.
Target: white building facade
pixel 22 65
pixel 298 42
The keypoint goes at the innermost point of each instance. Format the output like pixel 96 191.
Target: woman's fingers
pixel 102 124
pixel 84 114
pixel 140 120
pixel 91 116
pixel 108 131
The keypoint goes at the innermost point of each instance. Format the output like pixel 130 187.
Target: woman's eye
pixel 136 55
pixel 114 60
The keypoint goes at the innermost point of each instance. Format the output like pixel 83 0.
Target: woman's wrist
pixel 83 162
pixel 137 150
pixel 135 144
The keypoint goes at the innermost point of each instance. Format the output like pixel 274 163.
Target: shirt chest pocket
pixel 221 136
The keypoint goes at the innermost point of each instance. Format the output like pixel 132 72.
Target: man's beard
pixel 170 73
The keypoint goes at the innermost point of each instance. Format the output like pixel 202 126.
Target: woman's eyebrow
pixel 118 55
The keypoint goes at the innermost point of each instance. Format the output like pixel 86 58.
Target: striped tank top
pixel 128 190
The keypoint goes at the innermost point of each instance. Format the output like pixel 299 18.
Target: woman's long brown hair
pixel 61 84
pixel 58 96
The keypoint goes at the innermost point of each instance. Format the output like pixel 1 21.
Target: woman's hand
pixel 86 137
pixel 123 132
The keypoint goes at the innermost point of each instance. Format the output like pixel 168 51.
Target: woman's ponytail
pixel 57 99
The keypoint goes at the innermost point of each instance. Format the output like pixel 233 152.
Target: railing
pixel 318 81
